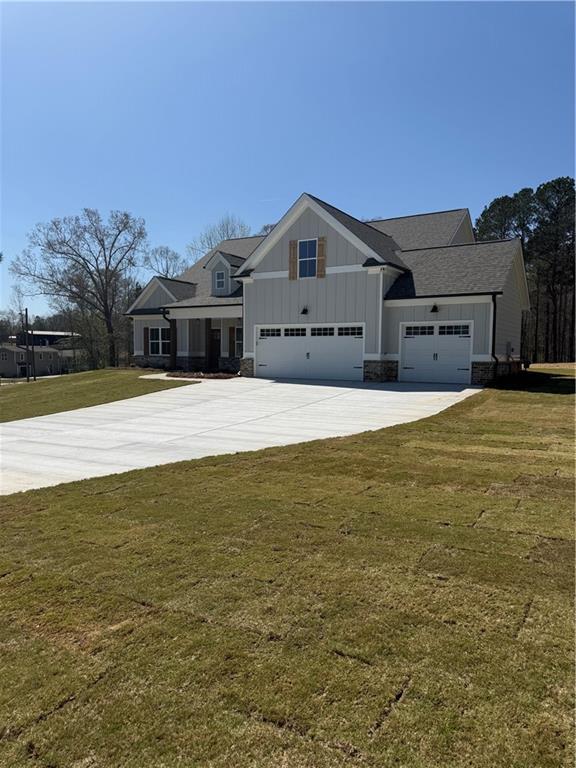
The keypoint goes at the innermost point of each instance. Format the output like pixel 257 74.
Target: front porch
pixel 182 340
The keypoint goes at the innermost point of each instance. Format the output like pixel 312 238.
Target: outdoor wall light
pixel 304 311
pixel 434 308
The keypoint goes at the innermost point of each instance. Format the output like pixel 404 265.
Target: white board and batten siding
pixel 509 319
pixel 348 294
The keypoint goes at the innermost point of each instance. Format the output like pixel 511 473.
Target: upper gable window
pixel 220 281
pixel 307 257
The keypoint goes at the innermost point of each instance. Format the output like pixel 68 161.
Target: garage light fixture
pixel 304 311
pixel 434 308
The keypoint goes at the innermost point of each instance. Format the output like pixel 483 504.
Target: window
pixel 353 330
pixel 322 331
pixel 4 356
pixel 159 341
pixel 220 281
pixel 307 258
pixel 266 333
pixel 21 356
pixel 418 330
pixel 238 343
pixel 294 331
pixel 454 330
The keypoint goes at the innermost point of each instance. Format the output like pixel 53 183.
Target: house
pixel 13 359
pixel 327 296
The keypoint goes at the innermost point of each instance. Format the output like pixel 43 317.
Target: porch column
pixel 173 344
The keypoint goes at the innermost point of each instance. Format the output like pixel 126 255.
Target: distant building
pixel 42 338
pixel 13 360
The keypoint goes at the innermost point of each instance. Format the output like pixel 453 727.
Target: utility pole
pixel 27 347
pixel 33 352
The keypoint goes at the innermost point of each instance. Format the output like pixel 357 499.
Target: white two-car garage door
pixel 437 352
pixel 310 352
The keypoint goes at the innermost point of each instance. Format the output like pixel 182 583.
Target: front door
pixel 213 356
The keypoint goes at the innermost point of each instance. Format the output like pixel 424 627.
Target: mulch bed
pixel 200 375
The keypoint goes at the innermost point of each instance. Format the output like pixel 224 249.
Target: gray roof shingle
pixel 180 289
pixel 380 242
pixel 423 230
pixel 455 270
pixel 236 250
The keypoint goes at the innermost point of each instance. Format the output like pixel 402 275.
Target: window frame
pixel 307 259
pixel 217 273
pixel 411 326
pixel 160 341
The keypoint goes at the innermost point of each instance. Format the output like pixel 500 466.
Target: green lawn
pixel 21 400
pixel 397 598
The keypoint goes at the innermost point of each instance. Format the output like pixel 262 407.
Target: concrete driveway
pixel 213 417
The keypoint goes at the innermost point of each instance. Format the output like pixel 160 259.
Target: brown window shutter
pixel 146 340
pixel 293 261
pixel 232 341
pixel 321 258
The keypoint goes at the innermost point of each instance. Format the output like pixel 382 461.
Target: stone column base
pixel 380 370
pixel 484 373
pixel 247 366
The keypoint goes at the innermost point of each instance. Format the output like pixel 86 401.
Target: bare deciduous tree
pixel 265 229
pixel 228 227
pixel 165 262
pixel 85 261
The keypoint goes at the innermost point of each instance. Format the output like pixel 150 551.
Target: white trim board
pixel 344 268
pixel 193 313
pixel 439 301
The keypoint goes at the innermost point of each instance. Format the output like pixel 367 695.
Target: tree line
pixel 90 269
pixel 543 219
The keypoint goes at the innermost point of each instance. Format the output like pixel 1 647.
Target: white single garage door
pixel 310 352
pixel 436 352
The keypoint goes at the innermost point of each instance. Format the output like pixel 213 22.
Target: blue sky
pixel 181 112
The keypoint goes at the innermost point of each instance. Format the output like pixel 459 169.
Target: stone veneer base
pixel 484 373
pixel 247 366
pixel 380 370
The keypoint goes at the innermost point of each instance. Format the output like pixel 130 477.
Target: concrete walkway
pixel 213 417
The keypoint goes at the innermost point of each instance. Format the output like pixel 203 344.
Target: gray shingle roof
pixel 381 243
pixel 423 230
pixel 180 289
pixel 234 261
pixel 455 270
pixel 240 247
pixel 237 251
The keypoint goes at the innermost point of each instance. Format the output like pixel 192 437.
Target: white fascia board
pixel 148 290
pixel 151 318
pixel 304 203
pixel 193 313
pixel 468 299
